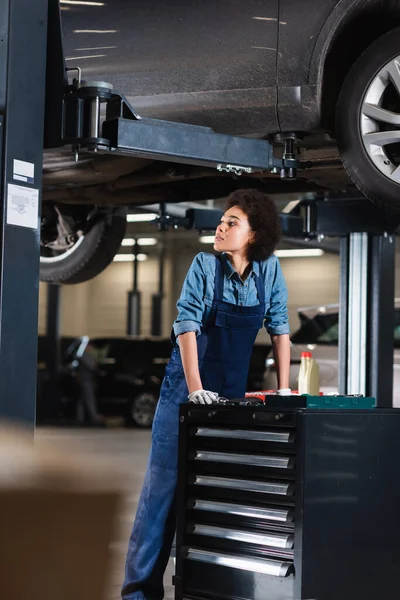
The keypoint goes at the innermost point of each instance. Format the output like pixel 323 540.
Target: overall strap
pixel 219 280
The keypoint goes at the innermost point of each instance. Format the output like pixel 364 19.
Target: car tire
pixel 362 95
pixel 91 254
pixel 141 410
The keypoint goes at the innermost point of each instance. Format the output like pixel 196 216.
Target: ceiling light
pixel 95 48
pixel 207 239
pixel 140 241
pixel 299 252
pixel 141 217
pixel 322 309
pixel 290 206
pixel 129 257
pixel 95 30
pixel 84 57
pixel 82 2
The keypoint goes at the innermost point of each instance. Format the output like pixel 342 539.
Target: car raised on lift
pixel 323 73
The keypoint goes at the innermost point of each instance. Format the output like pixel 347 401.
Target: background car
pixel 319 334
pixel 323 73
pixel 130 372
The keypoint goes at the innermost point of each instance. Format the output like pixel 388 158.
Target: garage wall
pixel 310 280
pixel 98 307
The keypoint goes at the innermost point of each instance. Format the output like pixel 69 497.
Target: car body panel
pixel 127 368
pixel 298 107
pixel 249 67
pixel 209 63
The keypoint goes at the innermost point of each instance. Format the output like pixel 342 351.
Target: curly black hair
pixel 263 220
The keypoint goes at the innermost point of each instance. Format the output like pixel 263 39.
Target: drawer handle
pixel 265 487
pixel 263 514
pixel 268 567
pixel 241 434
pixel 274 462
pixel 268 539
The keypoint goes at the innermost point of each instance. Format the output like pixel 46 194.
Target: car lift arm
pixel 124 132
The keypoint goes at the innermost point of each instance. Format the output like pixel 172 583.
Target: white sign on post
pixel 23 171
pixel 22 206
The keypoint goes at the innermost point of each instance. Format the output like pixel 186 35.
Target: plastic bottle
pixel 308 375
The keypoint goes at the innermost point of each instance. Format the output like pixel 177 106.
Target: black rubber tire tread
pixel 369 180
pixel 95 253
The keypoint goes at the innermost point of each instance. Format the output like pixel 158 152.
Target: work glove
pixel 284 392
pixel 203 397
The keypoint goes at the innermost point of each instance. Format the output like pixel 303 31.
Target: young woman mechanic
pixel 225 300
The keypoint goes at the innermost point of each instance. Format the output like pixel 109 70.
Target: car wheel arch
pixel 336 44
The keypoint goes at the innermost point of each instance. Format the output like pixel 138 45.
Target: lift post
pixel 22 105
pixel 367 267
pixel 134 297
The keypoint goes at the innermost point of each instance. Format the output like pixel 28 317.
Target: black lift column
pixel 366 336
pixel 366 318
pixel 23 25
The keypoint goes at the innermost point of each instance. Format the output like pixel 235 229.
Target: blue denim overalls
pixel 224 350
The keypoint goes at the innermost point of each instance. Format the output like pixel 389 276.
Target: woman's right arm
pixel 189 321
pixel 190 360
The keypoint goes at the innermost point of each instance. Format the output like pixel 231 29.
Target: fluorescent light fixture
pixel 141 217
pixel 290 206
pixel 141 242
pixel 207 239
pixel 82 2
pixel 85 57
pixel 95 30
pixel 129 257
pixel 299 252
pixel 95 48
pixel 289 253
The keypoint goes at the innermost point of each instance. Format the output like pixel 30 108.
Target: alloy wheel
pixel 380 120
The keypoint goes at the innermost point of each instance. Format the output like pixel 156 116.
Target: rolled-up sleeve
pixel 276 317
pixel 191 302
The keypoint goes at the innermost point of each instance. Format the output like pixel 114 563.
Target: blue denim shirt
pixel 195 302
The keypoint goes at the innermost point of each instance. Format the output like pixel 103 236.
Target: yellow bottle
pixel 308 375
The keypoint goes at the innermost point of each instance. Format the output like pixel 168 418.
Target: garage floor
pixel 127 451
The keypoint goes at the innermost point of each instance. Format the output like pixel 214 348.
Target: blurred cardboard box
pixel 57 517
